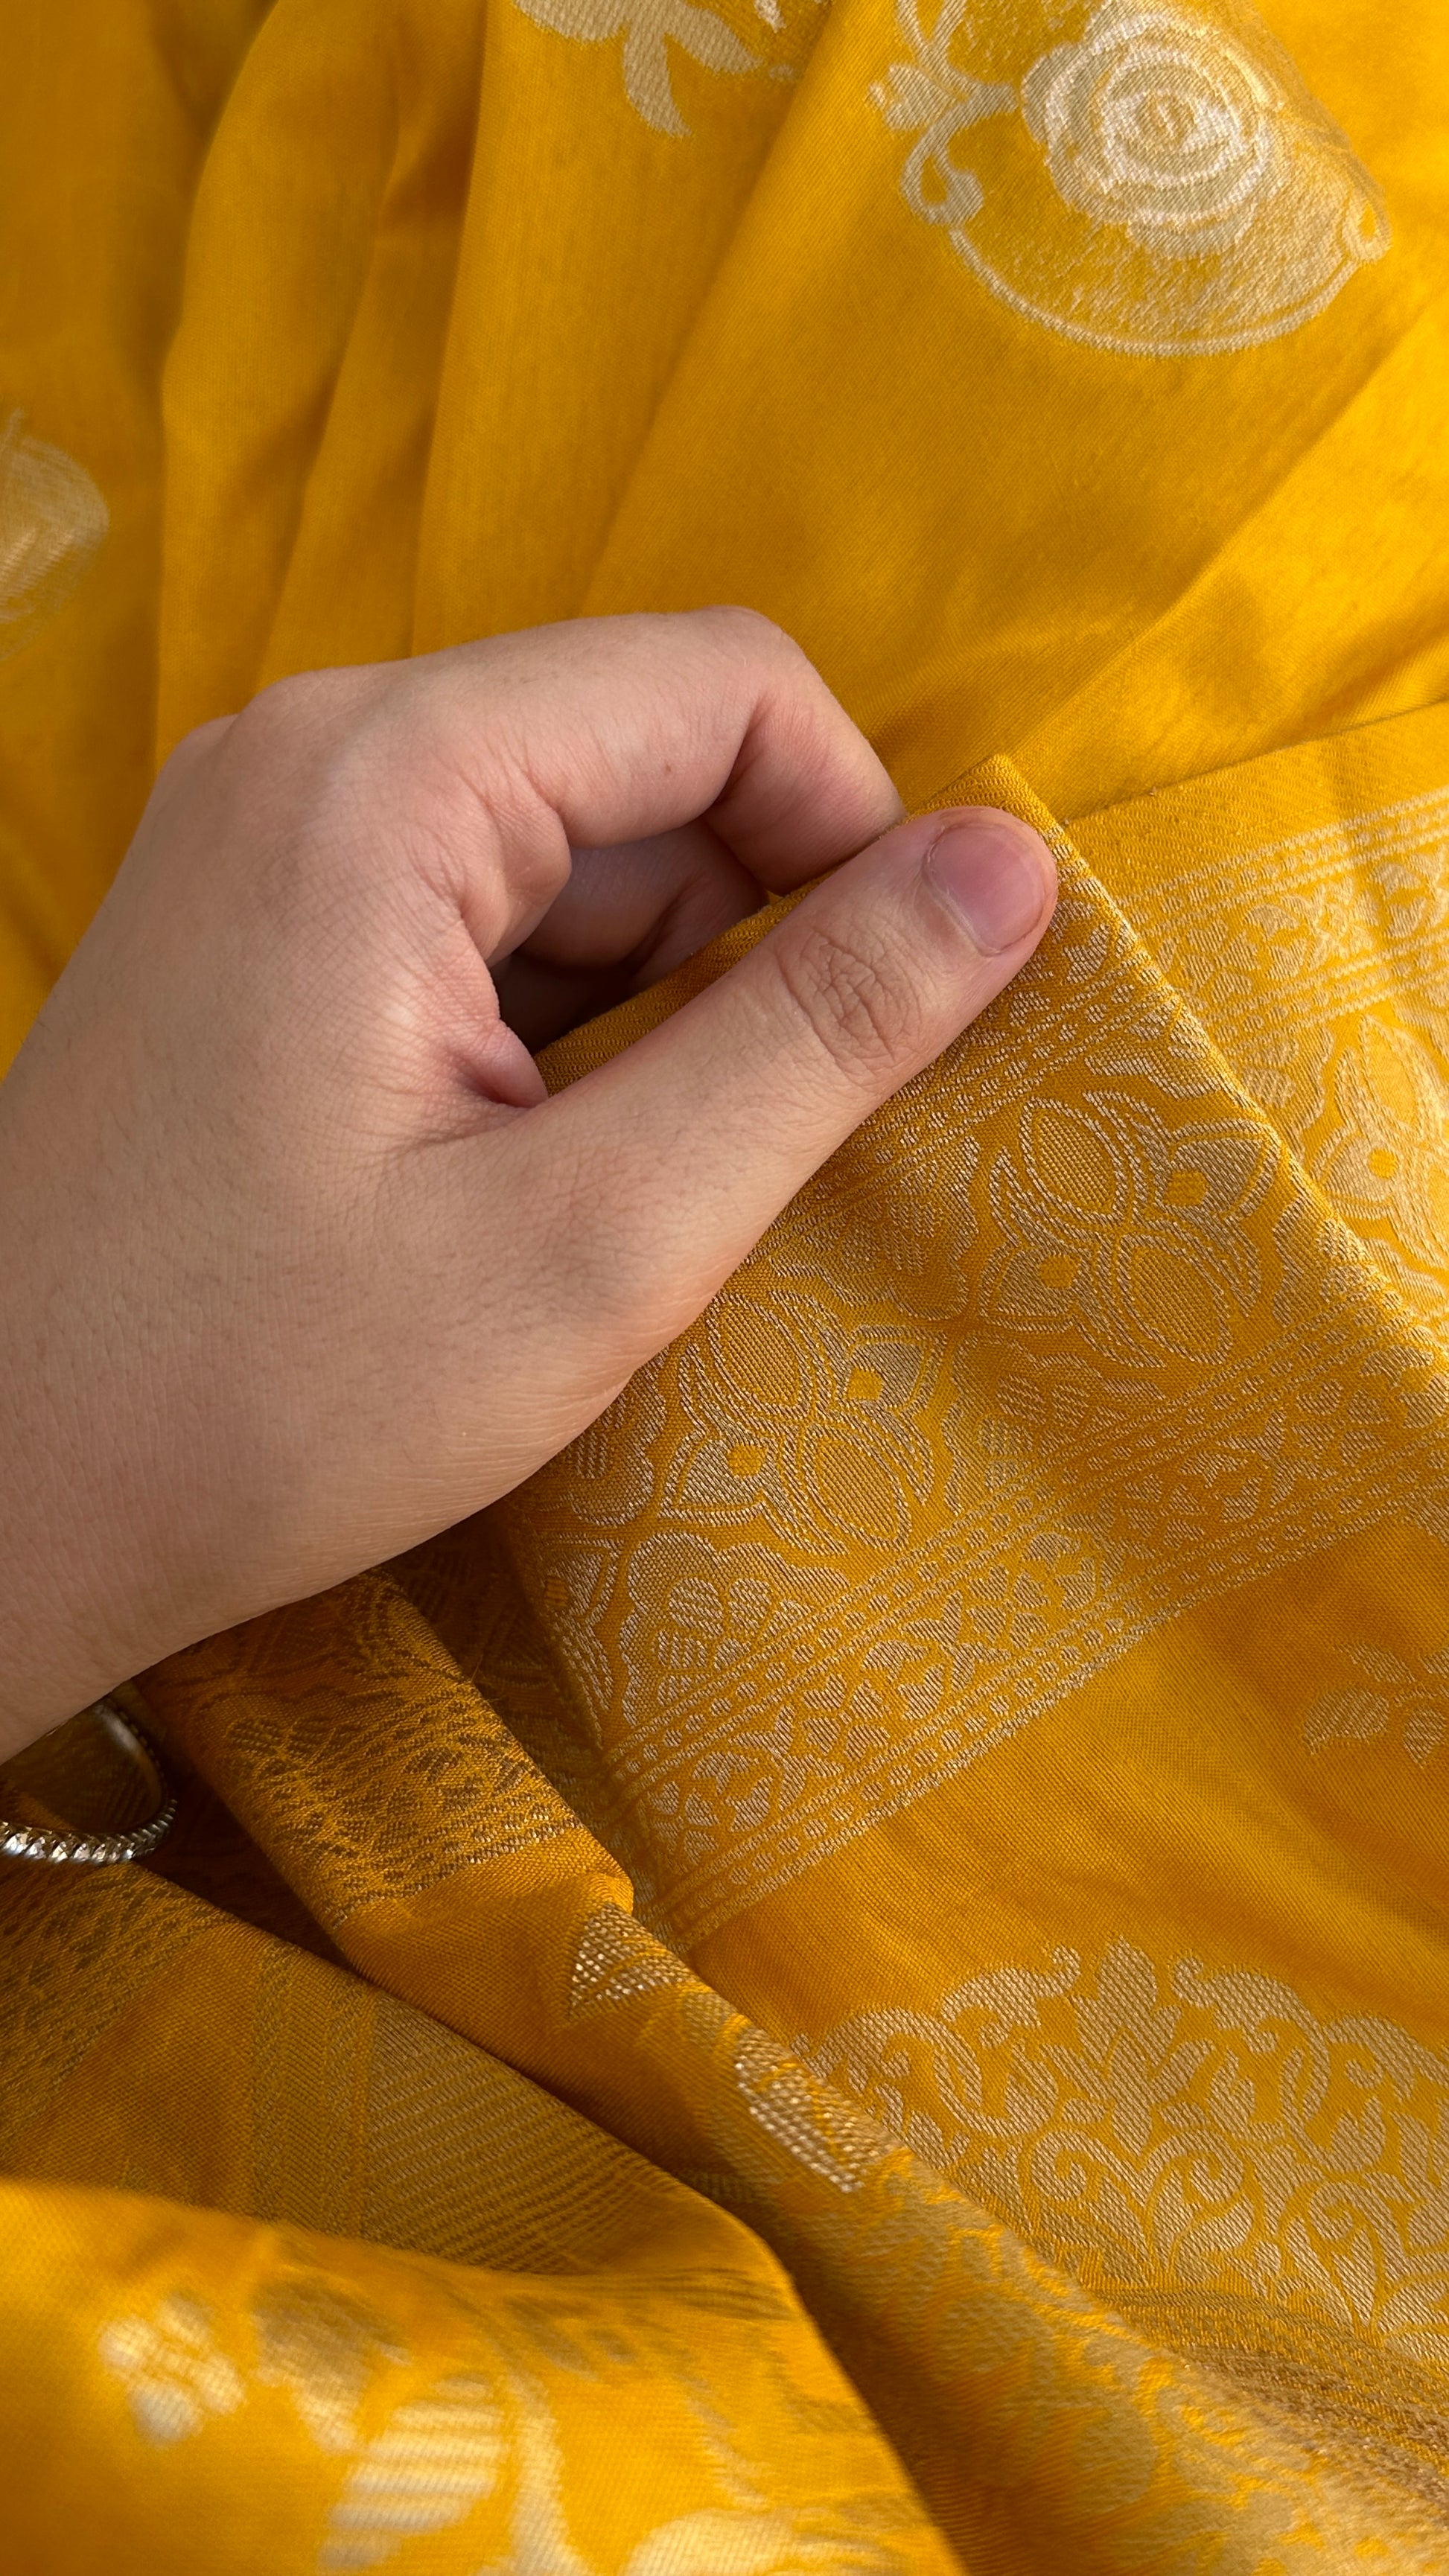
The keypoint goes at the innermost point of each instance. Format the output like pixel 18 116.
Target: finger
pixel 617 729
pixel 626 917
pixel 647 903
pixel 692 1140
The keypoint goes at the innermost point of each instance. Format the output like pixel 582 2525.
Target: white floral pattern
pixel 1127 1228
pixel 52 522
pixel 1390 1158
pixel 1164 185
pixel 173 2370
pixel 1108 1372
pixel 486 2442
pixel 1201 2130
pixel 1346 928
pixel 1156 123
pixel 1407 1700
pixel 649 28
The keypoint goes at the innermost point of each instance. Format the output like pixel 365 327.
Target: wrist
pixel 76 1612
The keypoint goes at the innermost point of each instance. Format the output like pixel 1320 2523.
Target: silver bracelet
pixel 62 1843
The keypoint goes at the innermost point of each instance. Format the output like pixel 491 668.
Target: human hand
pixel 623 918
pixel 299 1263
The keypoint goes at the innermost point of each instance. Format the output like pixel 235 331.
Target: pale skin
pixel 299 1263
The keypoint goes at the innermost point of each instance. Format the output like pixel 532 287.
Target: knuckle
pixel 187 760
pixel 863 1019
pixel 288 704
pixel 317 719
pixel 755 634
pixel 330 733
pixel 194 745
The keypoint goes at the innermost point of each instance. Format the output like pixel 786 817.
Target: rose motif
pixel 1164 184
pixel 1158 122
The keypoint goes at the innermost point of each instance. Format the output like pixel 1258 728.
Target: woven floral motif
pixel 1058 1347
pixel 1256 2180
pixel 1161 184
pixel 1347 928
pixel 482 2446
pixel 52 521
pixel 652 33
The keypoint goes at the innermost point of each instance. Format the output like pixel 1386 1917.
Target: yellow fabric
pixel 855 1978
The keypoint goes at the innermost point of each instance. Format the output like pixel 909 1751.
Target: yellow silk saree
pixel 855 1977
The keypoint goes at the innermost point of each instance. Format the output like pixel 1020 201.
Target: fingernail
pixel 996 874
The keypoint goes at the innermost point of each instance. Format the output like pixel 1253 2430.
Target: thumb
pixel 688 1143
